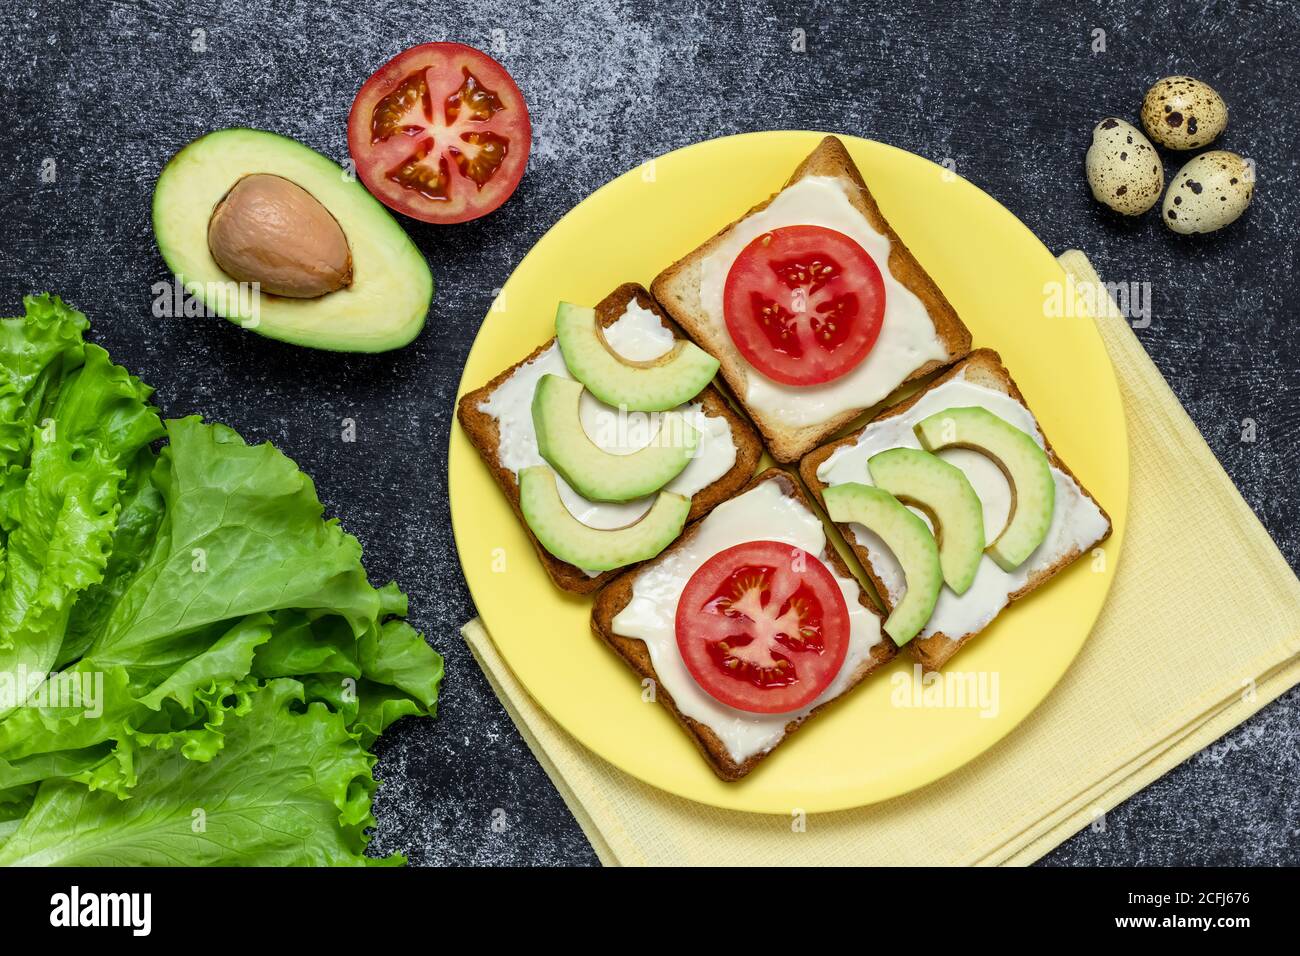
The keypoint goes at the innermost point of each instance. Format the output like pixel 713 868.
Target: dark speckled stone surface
pixel 1008 93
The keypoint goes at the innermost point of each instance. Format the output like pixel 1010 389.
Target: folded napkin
pixel 1122 715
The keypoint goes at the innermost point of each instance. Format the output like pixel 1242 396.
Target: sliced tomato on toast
pixel 804 304
pixel 763 627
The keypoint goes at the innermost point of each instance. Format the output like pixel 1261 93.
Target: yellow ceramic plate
pixel 875 743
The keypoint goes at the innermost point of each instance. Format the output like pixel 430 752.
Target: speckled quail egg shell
pixel 1181 112
pixel 1210 192
pixel 1123 167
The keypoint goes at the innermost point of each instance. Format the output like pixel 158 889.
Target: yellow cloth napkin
pixel 1201 629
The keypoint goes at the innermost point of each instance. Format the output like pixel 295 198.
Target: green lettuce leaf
pixel 62 519
pixel 137 524
pixel 37 351
pixel 215 643
pixel 242 533
pixel 290 786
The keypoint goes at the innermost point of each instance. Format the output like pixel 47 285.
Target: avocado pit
pixel 269 230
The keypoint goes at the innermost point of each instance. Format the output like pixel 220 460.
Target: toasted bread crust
pixel 677 287
pixel 616 595
pixel 934 651
pixel 482 431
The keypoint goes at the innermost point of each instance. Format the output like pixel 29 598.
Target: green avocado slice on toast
pixel 911 543
pixel 658 385
pixel 942 491
pixel 596 474
pixel 1021 459
pixel 596 549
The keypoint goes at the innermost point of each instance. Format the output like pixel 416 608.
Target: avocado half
pixel 383 308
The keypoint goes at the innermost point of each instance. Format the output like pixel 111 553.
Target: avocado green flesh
pixel 1022 460
pixel 594 473
pixel 595 549
pixel 656 386
pixel 384 307
pixel 907 536
pixel 919 478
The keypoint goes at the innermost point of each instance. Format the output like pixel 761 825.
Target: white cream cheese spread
pixel 907 335
pixel 1076 521
pixel 764 513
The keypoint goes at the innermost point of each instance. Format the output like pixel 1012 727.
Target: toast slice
pixel 679 288
pixel 982 367
pixel 618 593
pixel 482 430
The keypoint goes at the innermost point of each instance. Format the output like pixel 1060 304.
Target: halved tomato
pixel 763 627
pixel 440 133
pixel 804 304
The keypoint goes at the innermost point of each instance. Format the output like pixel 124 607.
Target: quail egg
pixel 1123 168
pixel 1208 193
pixel 1181 112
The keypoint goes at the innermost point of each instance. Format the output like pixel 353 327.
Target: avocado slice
pixel 1021 459
pixel 594 473
pixel 907 537
pixel 662 383
pixel 594 549
pixel 942 491
pixel 382 295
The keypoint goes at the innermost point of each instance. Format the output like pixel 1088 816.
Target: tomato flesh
pixel 763 627
pixel 480 103
pixel 481 157
pixel 440 133
pixel 405 110
pixel 804 304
